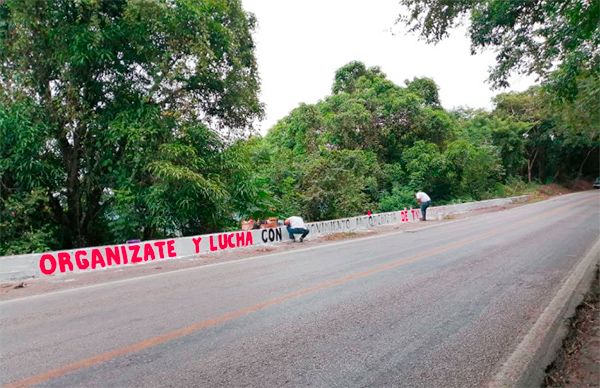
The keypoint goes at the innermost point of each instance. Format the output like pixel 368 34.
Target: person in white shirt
pixel 295 225
pixel 424 201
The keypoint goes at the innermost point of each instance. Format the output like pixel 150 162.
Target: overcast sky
pixel 301 43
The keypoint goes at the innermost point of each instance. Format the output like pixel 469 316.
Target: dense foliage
pixel 130 119
pixel 372 144
pixel 558 40
pixel 112 115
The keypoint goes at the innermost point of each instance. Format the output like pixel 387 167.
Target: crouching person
pixel 295 225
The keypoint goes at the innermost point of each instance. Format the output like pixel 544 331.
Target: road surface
pixel 441 306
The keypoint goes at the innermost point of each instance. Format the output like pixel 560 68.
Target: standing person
pixel 424 201
pixel 295 225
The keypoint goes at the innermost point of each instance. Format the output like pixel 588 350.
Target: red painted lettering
pixel 64 261
pixel 124 253
pixel 197 241
pixel 161 248
pixel 97 259
pixel 239 237
pixel 171 248
pixel 223 241
pixel 46 257
pixel 404 215
pixel 113 256
pixel 415 214
pixel 249 239
pixel 82 262
pixel 148 252
pixel 212 244
pixel 230 242
pixel 135 258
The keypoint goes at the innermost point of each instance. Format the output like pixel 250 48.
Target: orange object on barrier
pixel 248 225
pixel 269 223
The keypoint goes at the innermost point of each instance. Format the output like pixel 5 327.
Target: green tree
pixel 425 169
pixel 367 112
pixel 559 138
pixel 399 198
pixel 426 88
pixel 404 128
pixel 299 130
pixel 248 183
pixel 24 225
pixel 507 135
pixel 337 184
pixel 578 125
pixel 106 88
pixel 347 75
pixel 531 37
pixel 528 108
pixel 473 171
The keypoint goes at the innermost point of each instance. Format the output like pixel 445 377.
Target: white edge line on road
pixel 524 362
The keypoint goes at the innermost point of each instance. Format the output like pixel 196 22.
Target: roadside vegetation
pixel 133 119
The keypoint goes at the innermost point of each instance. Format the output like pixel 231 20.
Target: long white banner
pixel 96 258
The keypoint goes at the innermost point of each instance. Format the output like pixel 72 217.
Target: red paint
pixel 64 261
pixel 161 248
pixel 135 258
pixel 404 215
pixel 222 241
pixel 97 259
pixel 82 262
pixel 416 214
pixel 114 256
pixel 149 252
pixel 196 241
pixel 239 238
pixel 171 248
pixel 46 257
pixel 212 244
pixel 124 253
pixel 228 241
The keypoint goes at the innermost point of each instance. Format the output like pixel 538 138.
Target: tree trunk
pixel 73 187
pixel 530 163
pixel 556 174
pixel 580 170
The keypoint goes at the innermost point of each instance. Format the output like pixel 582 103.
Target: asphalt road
pixel 442 306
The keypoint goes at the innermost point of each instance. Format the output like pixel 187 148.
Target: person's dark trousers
pixel 293 231
pixel 424 206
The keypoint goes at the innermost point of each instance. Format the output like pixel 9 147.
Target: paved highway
pixel 441 306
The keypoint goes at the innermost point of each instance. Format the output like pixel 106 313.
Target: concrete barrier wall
pixel 439 212
pixel 110 256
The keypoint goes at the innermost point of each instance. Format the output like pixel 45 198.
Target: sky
pixel 301 43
